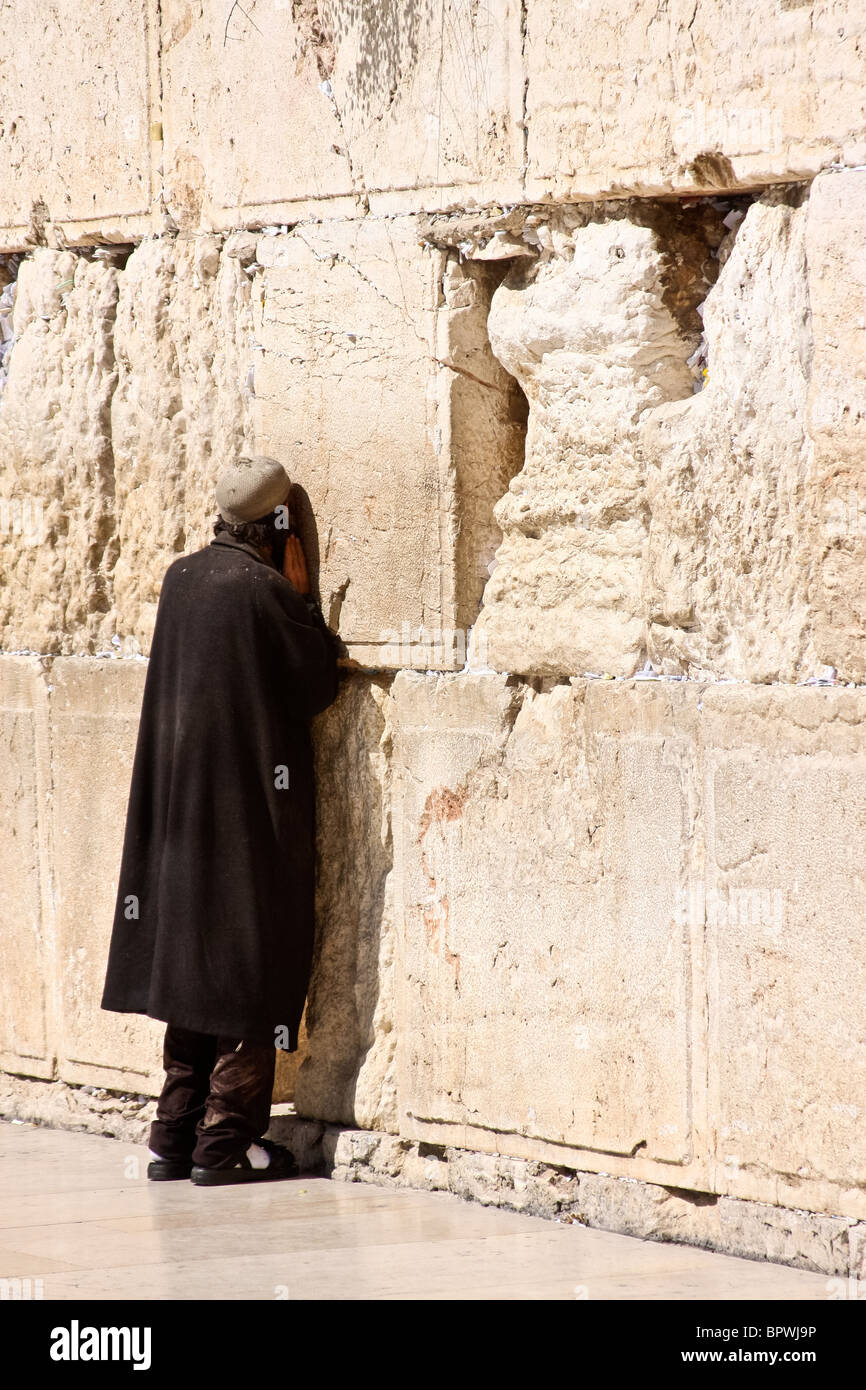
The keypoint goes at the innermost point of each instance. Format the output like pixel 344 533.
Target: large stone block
pixel 274 111
pixel 715 524
pixel 633 97
pixel 180 410
pixel 377 389
pixel 545 977
pixel 95 708
pixel 349 1071
pixel 26 918
pixel 76 137
pixel 663 978
pixel 785 897
pixel 125 397
pixel 836 419
pixel 56 462
pixel 589 331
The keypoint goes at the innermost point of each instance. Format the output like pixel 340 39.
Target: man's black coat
pixel 213 926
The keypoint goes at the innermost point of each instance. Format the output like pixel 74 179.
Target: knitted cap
pixel 250 488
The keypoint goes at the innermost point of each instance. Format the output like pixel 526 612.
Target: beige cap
pixel 250 488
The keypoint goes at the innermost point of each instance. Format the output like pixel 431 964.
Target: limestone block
pixel 545 976
pixel 717 533
pixel 377 389
pixel 342 312
pixel 665 975
pixel 784 905
pixel 587 332
pixel 349 1070
pixel 731 556
pixel 95 709
pixel 126 395
pixel 56 465
pixel 246 124
pixel 179 413
pixel 279 110
pixel 76 118
pixel 631 97
pixel 26 921
pixel 430 98
pixel 836 419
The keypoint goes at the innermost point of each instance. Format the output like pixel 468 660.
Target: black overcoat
pixel 213 924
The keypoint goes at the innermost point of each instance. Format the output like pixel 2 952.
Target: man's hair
pixel 260 533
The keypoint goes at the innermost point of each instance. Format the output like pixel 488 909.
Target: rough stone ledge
pixel 831 1245
pixel 90 1109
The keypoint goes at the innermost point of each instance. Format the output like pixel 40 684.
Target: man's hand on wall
pixel 295 565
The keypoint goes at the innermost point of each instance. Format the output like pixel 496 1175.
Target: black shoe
pixel 169 1169
pixel 281 1164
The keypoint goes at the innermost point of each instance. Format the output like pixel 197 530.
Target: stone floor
pixel 79 1218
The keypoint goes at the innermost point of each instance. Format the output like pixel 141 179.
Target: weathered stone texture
pixel 134 378
pixel 180 411
pixel 715 533
pixel 76 137
pixel 225 114
pixel 732 540
pixel 541 950
pixel 26 1002
pixel 278 108
pixel 56 459
pixel 785 806
pixel 348 1074
pixel 666 969
pixel 836 418
pixel 401 479
pixel 339 309
pixel 689 96
pixel 125 397
pixel 586 332
pixel 95 705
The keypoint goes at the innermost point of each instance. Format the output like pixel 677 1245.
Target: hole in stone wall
pixel 487 419
pixel 696 1199
pixel 696 236
pixel 510 417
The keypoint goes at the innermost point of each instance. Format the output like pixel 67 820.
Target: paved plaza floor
pixel 79 1219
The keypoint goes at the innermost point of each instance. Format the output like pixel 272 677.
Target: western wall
pixel 556 309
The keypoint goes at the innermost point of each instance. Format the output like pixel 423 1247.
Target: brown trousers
pixel 216 1099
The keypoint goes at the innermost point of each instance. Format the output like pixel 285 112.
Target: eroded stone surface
pixel 529 957
pixel 56 461
pixel 586 332
pixel 26 996
pixel 125 397
pixel 717 533
pixel 731 551
pixel 94 716
pixel 183 347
